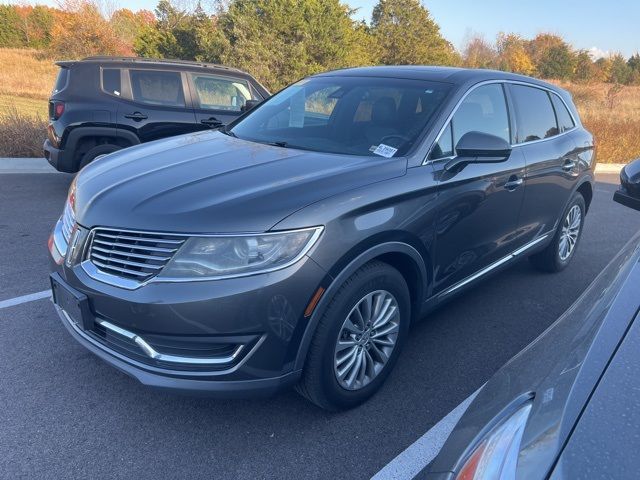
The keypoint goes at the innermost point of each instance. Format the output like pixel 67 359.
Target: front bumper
pixel 263 314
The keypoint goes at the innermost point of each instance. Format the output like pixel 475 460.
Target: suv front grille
pixel 136 256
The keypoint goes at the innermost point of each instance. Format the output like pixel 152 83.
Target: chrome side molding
pixel 493 266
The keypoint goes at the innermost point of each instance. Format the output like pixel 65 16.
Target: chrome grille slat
pixel 136 247
pixel 141 238
pixel 130 254
pixel 119 261
pixel 68 221
pixel 136 256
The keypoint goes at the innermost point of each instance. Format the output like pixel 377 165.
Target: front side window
pixel 483 110
pixel 346 115
pixel 155 87
pixel 565 121
pixel 535 117
pixel 217 93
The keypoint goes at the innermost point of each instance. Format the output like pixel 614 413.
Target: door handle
pixel 212 122
pixel 569 164
pixel 513 183
pixel 136 116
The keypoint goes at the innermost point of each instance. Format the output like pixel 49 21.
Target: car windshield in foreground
pixel 345 115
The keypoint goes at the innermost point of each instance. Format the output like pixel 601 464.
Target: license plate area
pixel 75 304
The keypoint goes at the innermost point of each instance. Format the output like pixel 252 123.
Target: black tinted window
pixel 565 122
pixel 61 80
pixel 483 110
pixel 157 88
pixel 111 81
pixel 534 114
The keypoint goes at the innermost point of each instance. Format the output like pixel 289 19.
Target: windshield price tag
pixel 385 150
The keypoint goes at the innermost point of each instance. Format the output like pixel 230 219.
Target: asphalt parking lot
pixel 65 414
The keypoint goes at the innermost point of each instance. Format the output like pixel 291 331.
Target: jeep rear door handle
pixel 137 116
pixel 513 183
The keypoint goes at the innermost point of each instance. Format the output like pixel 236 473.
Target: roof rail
pixel 169 61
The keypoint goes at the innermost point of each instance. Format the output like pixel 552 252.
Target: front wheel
pixel 358 338
pixel 562 248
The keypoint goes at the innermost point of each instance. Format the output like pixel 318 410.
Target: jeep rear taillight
pixel 56 109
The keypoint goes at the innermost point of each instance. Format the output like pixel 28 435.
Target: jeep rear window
pixel 111 81
pixel 61 80
pixel 157 87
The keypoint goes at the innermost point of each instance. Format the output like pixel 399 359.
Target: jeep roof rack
pixel 165 61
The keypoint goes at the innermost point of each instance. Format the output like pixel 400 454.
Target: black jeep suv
pixel 102 104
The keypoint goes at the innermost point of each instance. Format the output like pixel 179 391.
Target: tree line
pixel 280 41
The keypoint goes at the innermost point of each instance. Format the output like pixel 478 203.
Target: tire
pixel 320 381
pixel 551 259
pixel 97 151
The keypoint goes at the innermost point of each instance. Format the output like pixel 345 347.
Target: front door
pixel 479 205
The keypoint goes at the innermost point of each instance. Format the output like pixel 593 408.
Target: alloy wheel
pixel 570 232
pixel 366 340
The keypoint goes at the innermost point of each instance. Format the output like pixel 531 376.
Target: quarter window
pixel 216 93
pixel 565 121
pixel 443 148
pixel 534 114
pixel 111 81
pixel 155 87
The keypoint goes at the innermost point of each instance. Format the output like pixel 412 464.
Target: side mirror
pixel 629 192
pixel 478 147
pixel 249 104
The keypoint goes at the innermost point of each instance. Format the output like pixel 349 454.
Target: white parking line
pixel 24 299
pixel 421 452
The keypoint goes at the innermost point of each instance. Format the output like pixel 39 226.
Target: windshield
pixel 345 115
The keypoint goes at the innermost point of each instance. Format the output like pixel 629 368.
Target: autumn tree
pixel 478 53
pixel 551 56
pixel 585 70
pixel 406 34
pixel 513 55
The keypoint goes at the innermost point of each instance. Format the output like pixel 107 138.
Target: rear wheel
pixel 96 152
pixel 358 338
pixel 560 251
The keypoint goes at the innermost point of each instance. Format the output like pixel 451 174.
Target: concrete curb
pixel 40 165
pixel 25 165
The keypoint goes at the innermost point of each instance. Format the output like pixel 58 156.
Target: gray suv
pixel 298 244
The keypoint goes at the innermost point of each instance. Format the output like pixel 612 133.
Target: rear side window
pixel 61 80
pixel 155 87
pixel 535 116
pixel 217 93
pixel 565 121
pixel 111 81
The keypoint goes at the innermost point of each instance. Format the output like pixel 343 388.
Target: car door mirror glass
pixel 629 192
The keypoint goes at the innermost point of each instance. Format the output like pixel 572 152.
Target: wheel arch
pixel 81 139
pixel 401 255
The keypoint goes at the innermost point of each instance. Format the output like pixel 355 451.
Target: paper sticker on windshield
pixel 385 150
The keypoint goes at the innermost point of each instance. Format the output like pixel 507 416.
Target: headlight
pixel 238 255
pixel 496 457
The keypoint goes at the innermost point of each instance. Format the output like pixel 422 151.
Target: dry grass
pixel 612 114
pixel 21 135
pixel 26 74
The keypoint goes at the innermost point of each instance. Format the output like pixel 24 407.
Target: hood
pixel 208 182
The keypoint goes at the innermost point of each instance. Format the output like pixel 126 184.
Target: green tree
pixel 551 56
pixel 620 72
pixel 280 41
pixel 10 35
pixel 406 34
pixel 585 69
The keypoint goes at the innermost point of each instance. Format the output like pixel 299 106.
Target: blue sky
pixel 606 26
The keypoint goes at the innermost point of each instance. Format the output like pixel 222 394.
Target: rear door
pixel 217 99
pixel 155 104
pixel 479 205
pixel 543 126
